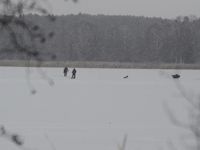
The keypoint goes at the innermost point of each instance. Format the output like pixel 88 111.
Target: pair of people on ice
pixel 67 70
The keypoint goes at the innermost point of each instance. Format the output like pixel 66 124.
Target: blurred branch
pixel 172 117
pixel 23 34
pixel 52 145
pixel 15 138
pixel 193 124
pixel 123 143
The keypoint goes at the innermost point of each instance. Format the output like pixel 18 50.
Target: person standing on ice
pixel 74 73
pixel 65 71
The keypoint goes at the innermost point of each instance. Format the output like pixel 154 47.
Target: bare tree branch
pixel 122 147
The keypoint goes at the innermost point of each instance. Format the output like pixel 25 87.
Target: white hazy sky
pixel 148 8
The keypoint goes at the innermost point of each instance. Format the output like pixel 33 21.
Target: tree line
pixel 86 37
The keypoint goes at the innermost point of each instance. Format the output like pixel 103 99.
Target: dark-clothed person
pixel 65 71
pixel 74 73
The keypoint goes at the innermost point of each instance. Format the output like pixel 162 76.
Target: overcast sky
pixel 148 8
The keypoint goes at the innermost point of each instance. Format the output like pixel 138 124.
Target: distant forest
pixel 86 37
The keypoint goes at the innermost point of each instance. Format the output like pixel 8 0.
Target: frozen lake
pixel 96 110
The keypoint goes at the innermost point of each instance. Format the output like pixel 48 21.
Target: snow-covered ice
pixel 96 110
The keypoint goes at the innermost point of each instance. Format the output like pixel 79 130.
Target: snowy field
pixel 96 110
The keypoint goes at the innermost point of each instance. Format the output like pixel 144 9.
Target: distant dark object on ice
pixel 176 76
pixel 125 77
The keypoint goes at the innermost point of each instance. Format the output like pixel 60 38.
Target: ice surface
pixel 94 111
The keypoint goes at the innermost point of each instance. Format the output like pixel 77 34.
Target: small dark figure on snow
pixel 65 71
pixel 126 77
pixel 74 73
pixel 176 76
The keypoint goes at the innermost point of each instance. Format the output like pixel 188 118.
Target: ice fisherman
pixel 65 71
pixel 74 73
